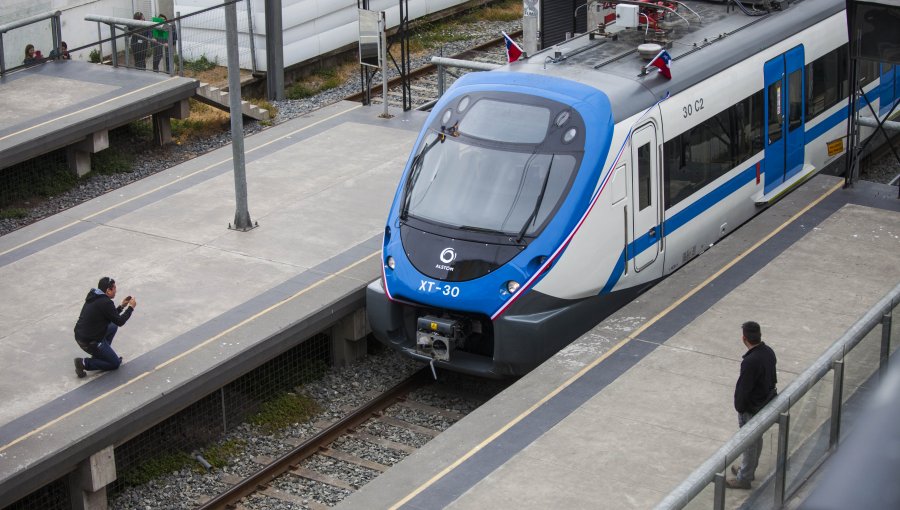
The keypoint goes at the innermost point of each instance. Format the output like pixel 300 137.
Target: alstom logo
pixel 447 256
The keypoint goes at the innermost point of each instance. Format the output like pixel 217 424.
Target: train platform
pixel 210 301
pixel 67 103
pixel 625 413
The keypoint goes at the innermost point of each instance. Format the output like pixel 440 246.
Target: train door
pixel 784 117
pixel 645 195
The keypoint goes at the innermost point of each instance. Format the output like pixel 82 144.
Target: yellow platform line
pixel 610 352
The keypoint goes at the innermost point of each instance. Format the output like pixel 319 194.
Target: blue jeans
pixel 103 357
pixel 750 460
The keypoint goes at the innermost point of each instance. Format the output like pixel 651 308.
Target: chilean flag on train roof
pixel 513 51
pixel 662 60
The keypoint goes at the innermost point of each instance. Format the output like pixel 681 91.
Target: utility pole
pixel 241 214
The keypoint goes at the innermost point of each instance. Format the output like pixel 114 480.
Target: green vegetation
pixel 435 36
pixel 507 10
pixel 219 454
pixel 156 467
pixel 321 80
pixel 201 64
pixel 94 56
pixel 284 410
pixel 265 105
pixel 204 120
pixel 113 160
pixel 13 213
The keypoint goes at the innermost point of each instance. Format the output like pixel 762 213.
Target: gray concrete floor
pixel 569 436
pixel 319 187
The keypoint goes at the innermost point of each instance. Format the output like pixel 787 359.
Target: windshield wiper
pixel 414 174
pixel 537 205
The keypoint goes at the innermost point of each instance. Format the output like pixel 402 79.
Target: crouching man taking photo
pixel 97 325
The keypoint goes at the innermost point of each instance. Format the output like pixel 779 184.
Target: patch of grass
pixel 113 160
pixel 508 10
pixel 156 467
pixel 434 36
pixel 321 80
pixel 13 213
pixel 283 410
pixel 219 454
pixel 203 121
pixel 265 105
pixel 55 182
pixel 201 64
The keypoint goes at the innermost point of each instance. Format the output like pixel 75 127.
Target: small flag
pixel 513 51
pixel 662 61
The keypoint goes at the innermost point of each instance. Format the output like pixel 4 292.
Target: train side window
pixel 711 149
pixel 643 161
pixel 868 72
pixel 826 82
pixel 795 100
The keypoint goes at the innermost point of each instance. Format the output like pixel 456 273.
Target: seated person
pixel 31 57
pixel 62 53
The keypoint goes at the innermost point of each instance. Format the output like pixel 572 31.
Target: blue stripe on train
pixel 709 200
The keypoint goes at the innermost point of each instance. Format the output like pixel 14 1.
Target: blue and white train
pixel 541 197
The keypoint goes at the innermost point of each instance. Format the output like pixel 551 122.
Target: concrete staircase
pixel 218 98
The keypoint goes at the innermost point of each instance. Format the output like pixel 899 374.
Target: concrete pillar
pixel 78 155
pixel 348 338
pixel 88 483
pixel 162 127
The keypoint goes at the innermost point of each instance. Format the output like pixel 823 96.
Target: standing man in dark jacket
pixel 97 325
pixel 754 389
pixel 140 43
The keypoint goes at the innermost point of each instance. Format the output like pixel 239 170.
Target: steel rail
pixel 286 462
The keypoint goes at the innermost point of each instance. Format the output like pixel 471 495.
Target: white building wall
pixel 75 30
pixel 310 27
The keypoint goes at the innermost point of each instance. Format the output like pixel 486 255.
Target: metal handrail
pixel 753 430
pixel 56 31
pixel 6 27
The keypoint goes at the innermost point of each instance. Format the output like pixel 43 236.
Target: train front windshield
pixel 497 166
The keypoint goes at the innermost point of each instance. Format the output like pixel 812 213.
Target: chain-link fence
pixel 172 444
pixel 194 41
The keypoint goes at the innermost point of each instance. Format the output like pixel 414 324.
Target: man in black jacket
pixel 97 325
pixel 754 389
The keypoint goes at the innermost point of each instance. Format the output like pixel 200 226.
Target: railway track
pixel 334 463
pixel 424 88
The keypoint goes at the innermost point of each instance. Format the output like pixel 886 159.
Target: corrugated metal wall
pixel 558 17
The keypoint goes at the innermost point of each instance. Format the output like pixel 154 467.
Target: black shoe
pixel 737 484
pixel 735 469
pixel 79 368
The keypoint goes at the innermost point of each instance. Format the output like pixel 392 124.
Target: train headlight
pixel 390 262
pixel 512 286
pixel 569 135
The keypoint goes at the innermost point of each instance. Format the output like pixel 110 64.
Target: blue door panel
pixel 773 73
pixel 784 116
pixel 794 114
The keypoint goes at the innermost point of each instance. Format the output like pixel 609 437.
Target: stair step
pixel 218 98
